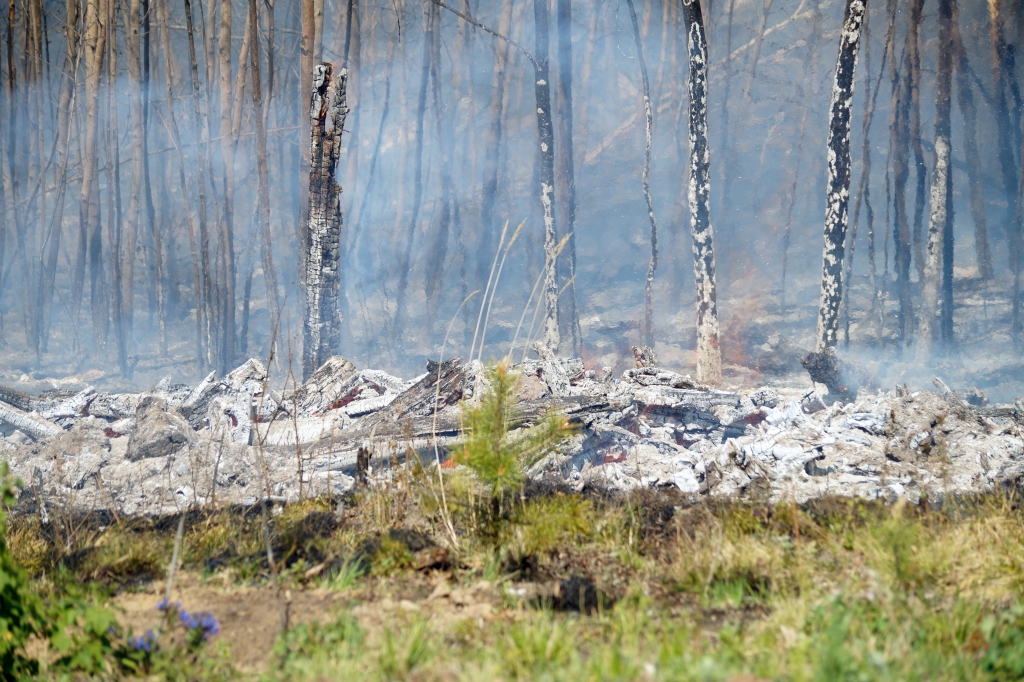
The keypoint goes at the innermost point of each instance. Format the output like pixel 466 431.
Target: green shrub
pixel 20 609
pixel 1004 634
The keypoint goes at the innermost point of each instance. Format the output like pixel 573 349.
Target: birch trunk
pixel 321 329
pixel 546 133
pixel 969 111
pixel 709 355
pixel 838 199
pixel 645 179
pixel 941 195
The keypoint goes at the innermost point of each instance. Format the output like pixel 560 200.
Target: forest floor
pixel 383 584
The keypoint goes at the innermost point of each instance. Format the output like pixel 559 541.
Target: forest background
pixel 134 238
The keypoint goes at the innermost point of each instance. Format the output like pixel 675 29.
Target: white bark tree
pixel 709 355
pixel 838 199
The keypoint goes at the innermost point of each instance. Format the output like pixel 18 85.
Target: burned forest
pixel 429 275
pixel 177 199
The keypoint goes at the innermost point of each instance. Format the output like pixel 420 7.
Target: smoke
pixel 755 133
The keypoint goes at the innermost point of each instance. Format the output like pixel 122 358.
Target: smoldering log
pixel 321 324
pixel 838 199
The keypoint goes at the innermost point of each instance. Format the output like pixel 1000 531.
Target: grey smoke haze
pixel 758 157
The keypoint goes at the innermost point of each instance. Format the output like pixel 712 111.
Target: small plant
pixel 308 641
pixel 20 609
pixel 494 449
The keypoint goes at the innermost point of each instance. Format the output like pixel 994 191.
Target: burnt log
pixel 321 324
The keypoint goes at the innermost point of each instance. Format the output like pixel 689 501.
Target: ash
pixel 233 440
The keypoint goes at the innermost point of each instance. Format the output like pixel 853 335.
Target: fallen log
pixel 32 426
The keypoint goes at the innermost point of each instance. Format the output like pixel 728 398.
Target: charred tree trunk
pixel 838 198
pixel 863 185
pixel 546 134
pixel 172 126
pixel 969 111
pixel 321 326
pixel 709 355
pixel 569 317
pixel 932 310
pixel 1007 163
pixel 306 62
pixel 546 166
pixel 52 239
pixel 199 132
pixel 267 248
pixel 900 135
pixel 648 328
pixel 914 102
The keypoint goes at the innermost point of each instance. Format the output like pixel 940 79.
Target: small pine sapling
pixel 495 449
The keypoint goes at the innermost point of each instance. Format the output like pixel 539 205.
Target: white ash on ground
pixel 235 441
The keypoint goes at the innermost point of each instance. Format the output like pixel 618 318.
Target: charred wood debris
pixel 235 440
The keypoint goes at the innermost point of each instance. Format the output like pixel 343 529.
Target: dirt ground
pixel 250 621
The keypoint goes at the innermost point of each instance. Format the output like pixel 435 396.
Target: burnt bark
pixel 1005 146
pixel 709 355
pixel 900 136
pixel 913 89
pixel 199 132
pixel 546 175
pixel 321 326
pixel 569 317
pixel 933 311
pixel 838 198
pixel 969 112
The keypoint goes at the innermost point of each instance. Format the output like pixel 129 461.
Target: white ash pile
pixel 234 440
